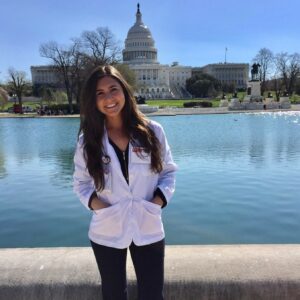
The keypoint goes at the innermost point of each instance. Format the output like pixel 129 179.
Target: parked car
pixel 27 109
pixel 16 109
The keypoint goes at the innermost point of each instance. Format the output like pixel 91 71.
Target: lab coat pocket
pixel 139 156
pixel 141 161
pixel 107 221
pixel 151 218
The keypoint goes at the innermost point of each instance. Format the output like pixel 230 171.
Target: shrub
pixel 198 104
pixel 64 108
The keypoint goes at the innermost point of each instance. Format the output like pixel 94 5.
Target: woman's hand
pixel 157 200
pixel 97 204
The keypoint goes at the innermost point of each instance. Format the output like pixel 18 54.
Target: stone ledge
pixel 191 272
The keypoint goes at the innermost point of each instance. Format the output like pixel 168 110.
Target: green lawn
pixel 179 103
pixel 176 103
pixel 295 99
pixel 165 103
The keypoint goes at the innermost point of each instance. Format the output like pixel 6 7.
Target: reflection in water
pixel 257 140
pixel 63 168
pixel 204 137
pixel 28 139
pixel 238 136
pixel 227 138
pixel 282 134
pixel 3 172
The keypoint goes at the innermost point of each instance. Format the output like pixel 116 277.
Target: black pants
pixel 148 263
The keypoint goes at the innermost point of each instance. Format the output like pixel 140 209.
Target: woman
pixel 125 174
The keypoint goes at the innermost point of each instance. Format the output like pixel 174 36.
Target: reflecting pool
pixel 238 181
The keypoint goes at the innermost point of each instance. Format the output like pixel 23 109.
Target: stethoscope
pixel 106 159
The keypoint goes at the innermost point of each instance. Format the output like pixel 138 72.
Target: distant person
pixel 125 174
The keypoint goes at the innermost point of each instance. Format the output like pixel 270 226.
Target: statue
pixel 255 71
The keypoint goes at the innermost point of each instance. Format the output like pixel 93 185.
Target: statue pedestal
pixel 255 88
pixel 257 99
pixel 254 100
pixel 223 103
pixel 285 102
pixel 269 100
pixel 271 104
pixel 146 109
pixel 247 99
pixel 235 104
pixel 254 106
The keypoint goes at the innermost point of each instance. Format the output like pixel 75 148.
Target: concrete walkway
pixel 192 272
pixel 173 111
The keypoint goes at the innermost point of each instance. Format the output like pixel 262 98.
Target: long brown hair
pixel 92 125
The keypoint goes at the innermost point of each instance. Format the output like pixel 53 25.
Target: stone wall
pixel 192 272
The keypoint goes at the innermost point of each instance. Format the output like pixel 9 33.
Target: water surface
pixel 238 181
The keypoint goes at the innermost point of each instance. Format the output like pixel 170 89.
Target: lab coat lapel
pixel 115 164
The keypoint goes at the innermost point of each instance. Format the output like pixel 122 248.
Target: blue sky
pixel 192 32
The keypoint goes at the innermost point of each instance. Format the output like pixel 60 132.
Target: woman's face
pixel 110 98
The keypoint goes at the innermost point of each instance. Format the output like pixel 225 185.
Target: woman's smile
pixel 111 105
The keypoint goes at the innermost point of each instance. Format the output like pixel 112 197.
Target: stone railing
pixel 191 272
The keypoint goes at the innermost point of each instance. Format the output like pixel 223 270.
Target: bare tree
pixel 64 59
pixel 3 97
pixel 128 74
pixel 17 84
pixel 276 84
pixel 79 69
pixel 288 66
pixel 101 47
pixel 73 62
pixel 297 86
pixel 265 58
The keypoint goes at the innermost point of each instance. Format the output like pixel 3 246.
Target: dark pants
pixel 148 263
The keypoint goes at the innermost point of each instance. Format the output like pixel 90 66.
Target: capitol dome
pixel 139 44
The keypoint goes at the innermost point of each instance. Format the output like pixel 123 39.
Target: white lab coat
pixel 131 216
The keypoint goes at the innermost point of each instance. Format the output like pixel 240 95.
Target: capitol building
pixel 154 80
